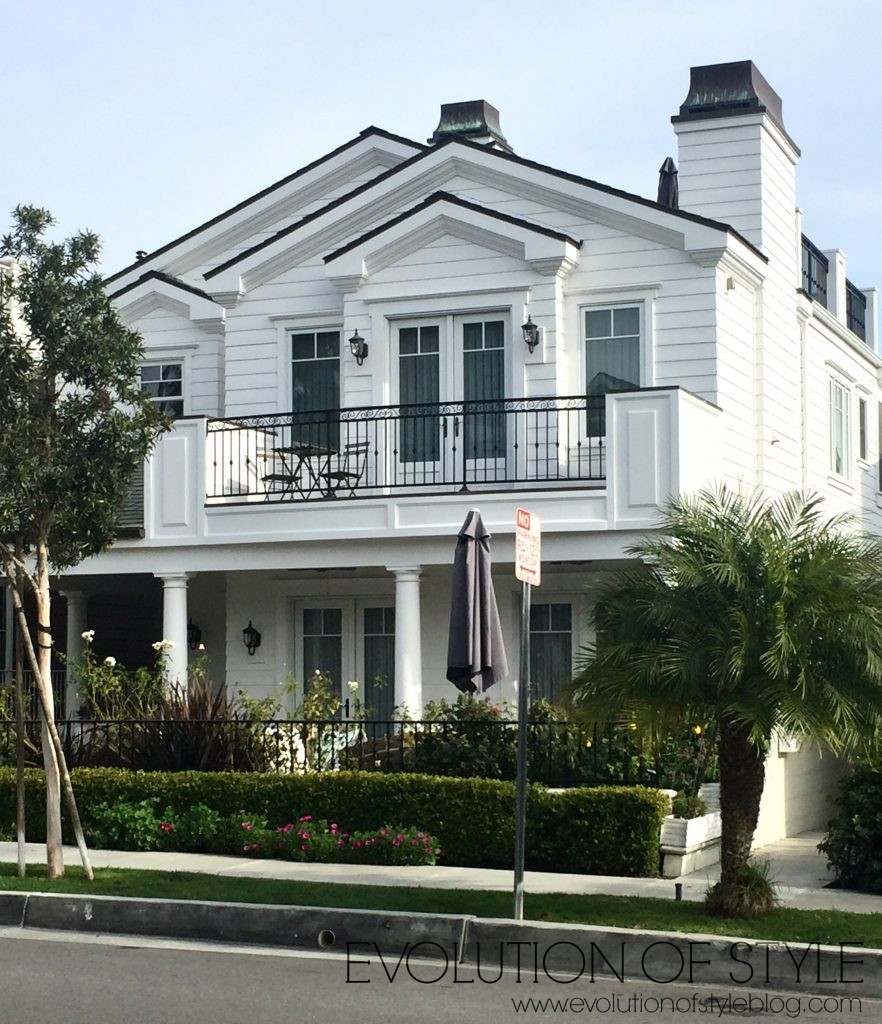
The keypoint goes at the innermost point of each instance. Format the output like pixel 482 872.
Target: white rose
pixel 88 636
pixel 353 686
pixel 110 661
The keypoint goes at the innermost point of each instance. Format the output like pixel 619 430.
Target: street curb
pixel 306 928
pixel 533 949
pixel 576 952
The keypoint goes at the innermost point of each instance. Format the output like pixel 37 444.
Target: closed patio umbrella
pixel 475 650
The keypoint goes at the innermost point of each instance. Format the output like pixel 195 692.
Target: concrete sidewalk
pixel 796 865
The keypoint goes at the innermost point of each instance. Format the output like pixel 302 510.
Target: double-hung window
pixel 840 429
pixel 612 358
pixel 164 383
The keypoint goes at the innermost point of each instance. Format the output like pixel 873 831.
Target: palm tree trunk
pixel 742 775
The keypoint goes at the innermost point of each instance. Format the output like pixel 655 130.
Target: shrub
pixel 685 805
pixel 853 843
pixel 606 830
pixel 123 826
pixel 753 894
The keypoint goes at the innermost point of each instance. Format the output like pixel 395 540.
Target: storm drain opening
pixel 326 938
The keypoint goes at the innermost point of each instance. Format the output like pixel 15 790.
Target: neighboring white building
pixel 317 495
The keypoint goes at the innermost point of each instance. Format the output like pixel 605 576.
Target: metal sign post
pixel 528 571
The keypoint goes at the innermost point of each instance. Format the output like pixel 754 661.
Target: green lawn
pixel 827 926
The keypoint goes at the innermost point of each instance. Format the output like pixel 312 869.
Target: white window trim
pixel 862 395
pixel 309 323
pixel 834 380
pixel 163 358
pixel 610 299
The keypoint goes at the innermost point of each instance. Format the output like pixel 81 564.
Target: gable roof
pixel 365 133
pixel 496 153
pixel 448 197
pixel 159 275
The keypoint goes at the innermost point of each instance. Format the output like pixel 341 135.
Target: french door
pixel 451 377
pixel 348 640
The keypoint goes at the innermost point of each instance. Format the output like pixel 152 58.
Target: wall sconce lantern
pixel 251 638
pixel 359 348
pixel 194 635
pixel 531 334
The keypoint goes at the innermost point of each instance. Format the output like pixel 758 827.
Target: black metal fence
pixel 560 754
pixel 815 266
pixel 856 310
pixel 340 453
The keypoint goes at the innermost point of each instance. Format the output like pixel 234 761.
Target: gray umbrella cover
pixel 475 651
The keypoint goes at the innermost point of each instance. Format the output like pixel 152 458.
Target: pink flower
pixel 335 827
pixel 414 842
pixel 306 817
pixel 247 825
pixel 396 842
pixel 166 826
pixel 304 847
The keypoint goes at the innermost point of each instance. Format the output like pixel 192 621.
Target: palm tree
pixel 752 614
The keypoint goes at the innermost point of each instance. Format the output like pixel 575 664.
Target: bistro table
pixel 305 469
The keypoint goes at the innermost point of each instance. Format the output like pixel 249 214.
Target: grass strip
pixel 784 924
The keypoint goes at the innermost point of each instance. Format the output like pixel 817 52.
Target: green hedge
pixel 610 830
pixel 853 843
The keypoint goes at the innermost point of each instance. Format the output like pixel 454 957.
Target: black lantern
pixel 194 635
pixel 531 334
pixel 359 348
pixel 251 638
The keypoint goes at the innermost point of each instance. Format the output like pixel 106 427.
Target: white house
pixel 346 357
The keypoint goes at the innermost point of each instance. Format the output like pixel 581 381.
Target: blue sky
pixel 140 121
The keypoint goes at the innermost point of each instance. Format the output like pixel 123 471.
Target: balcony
pixel 457 447
pixel 378 475
pixel 855 310
pixel 815 267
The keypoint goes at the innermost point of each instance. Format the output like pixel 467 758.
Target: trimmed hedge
pixel 853 843
pixel 611 830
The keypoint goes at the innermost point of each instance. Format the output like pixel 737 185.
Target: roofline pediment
pixel 346 217
pixel 235 226
pixel 154 292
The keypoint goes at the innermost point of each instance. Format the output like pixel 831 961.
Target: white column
pixel 174 624
pixel 408 645
pixel 836 284
pixel 872 296
pixel 77 607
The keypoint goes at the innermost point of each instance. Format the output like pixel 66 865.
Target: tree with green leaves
pixel 756 615
pixel 75 427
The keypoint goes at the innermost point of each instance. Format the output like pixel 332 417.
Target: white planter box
pixel 686 833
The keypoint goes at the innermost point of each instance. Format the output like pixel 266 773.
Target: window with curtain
pixel 323 646
pixel 612 358
pixel 419 387
pixel 551 649
pixel 379 662
pixel 483 354
pixel 164 383
pixel 315 379
pixel 840 429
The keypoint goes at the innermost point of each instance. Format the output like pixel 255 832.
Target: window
pixel 323 646
pixel 862 429
pixel 419 385
pixel 551 649
pixel 483 357
pixel 315 379
pixel 612 358
pixel 164 383
pixel 379 662
pixel 840 429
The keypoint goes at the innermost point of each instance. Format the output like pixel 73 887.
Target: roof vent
pixel 668 186
pixel 727 90
pixel 476 120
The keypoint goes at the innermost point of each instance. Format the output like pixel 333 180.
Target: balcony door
pixel 451 376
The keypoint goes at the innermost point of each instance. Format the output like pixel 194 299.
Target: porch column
pixel 77 608
pixel 408 639
pixel 174 624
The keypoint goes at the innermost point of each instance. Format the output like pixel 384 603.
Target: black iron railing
pixel 814 271
pixel 339 453
pixel 560 753
pixel 7 683
pixel 856 310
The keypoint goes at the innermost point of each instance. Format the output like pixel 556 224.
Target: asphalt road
pixel 70 979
